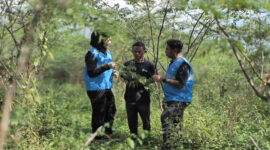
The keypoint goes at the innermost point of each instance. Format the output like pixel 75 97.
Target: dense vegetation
pixel 42 49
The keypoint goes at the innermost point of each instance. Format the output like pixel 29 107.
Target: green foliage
pixel 52 110
pixel 132 78
pixel 234 5
pixel 221 110
pixel 224 113
pixel 61 67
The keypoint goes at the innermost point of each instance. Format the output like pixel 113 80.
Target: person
pixel 98 80
pixel 137 97
pixel 178 88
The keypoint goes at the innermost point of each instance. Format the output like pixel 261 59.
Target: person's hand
pixel 112 65
pixel 116 73
pixel 157 78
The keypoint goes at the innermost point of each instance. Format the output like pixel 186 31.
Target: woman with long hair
pixel 98 80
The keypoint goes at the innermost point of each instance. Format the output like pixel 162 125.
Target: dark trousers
pixel 141 107
pixel 171 119
pixel 103 109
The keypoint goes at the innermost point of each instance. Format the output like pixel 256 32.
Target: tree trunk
pixel 9 96
pixel 23 61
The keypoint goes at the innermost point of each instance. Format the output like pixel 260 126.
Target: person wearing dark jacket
pixel 137 97
pixel 178 89
pixel 99 81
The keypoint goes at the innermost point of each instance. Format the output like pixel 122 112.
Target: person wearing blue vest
pixel 99 82
pixel 178 88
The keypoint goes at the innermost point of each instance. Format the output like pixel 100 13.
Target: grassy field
pixel 57 115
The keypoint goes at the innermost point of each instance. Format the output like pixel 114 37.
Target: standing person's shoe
pixel 108 131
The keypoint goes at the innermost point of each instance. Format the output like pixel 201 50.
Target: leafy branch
pixel 236 49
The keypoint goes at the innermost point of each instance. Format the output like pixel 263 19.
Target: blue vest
pixel 104 80
pixel 173 93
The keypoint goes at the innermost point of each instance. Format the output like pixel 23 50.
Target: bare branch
pixel 93 136
pixel 173 23
pixel 123 18
pixel 201 40
pixel 9 9
pixel 191 34
pixel 13 37
pixel 150 26
pixel 203 24
pixel 160 32
pixel 2 41
pixel 262 49
pixel 207 28
pixel 163 68
pixel 252 66
pixel 254 142
pixel 234 48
